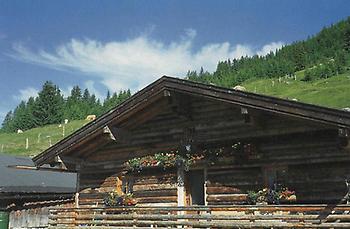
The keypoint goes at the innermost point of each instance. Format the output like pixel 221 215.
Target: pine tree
pixel 49 105
pixel 20 119
pixel 74 108
pixel 86 95
pixel 29 113
pixel 7 124
pixel 347 35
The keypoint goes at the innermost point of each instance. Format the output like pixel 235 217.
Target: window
pixel 127 184
pixel 275 176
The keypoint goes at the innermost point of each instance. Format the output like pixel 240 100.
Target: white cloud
pixel 24 94
pixel 136 62
pixel 2 116
pixel 273 46
pixel 66 92
pixel 90 85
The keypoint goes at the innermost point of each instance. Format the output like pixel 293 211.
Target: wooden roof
pixel 164 86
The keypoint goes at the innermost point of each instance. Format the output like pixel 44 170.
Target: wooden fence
pixel 238 216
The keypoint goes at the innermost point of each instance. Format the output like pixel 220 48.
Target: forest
pixel 323 55
pixel 50 107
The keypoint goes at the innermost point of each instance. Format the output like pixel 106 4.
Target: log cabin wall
pixel 154 187
pixel 230 185
pixel 151 187
pixel 309 152
pixel 315 165
pixel 94 181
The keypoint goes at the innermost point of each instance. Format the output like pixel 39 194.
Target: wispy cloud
pixel 24 94
pixel 90 85
pixel 135 62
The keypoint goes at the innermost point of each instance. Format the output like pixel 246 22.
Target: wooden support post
pixel 205 186
pixel 76 199
pixel 181 197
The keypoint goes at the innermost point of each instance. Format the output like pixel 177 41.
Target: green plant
pixel 270 196
pixel 113 199
pixel 163 160
pixel 252 197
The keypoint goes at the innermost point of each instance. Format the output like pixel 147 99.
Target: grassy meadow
pixel 39 139
pixel 333 92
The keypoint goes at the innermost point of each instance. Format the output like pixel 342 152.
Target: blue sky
pixel 113 45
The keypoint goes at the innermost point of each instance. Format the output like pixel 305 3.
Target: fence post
pixel 39 135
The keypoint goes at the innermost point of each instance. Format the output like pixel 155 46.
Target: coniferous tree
pixel 29 114
pixel 7 124
pixel 49 105
pixel 74 105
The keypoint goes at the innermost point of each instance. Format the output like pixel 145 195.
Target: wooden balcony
pixel 233 216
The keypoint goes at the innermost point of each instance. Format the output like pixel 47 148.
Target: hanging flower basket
pixel 114 199
pixel 270 196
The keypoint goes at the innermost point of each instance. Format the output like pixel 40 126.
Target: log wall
pixel 313 155
pixel 150 187
pixel 97 180
pixel 230 185
pixel 155 187
pixel 314 165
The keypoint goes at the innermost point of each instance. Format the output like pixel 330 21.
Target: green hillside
pixel 333 92
pixel 38 138
pixel 322 56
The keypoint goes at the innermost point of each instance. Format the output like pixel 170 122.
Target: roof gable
pixel 165 85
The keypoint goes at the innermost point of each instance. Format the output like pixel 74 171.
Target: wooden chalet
pixel 236 141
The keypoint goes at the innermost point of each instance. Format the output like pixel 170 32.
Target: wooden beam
pixel 70 160
pixel 118 134
pixel 26 167
pixel 108 132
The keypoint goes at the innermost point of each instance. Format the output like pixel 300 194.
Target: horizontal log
pixel 163 192
pixel 213 208
pixel 172 180
pixel 161 199
pixel 154 187
pixel 203 217
pixel 223 224
pixel 227 198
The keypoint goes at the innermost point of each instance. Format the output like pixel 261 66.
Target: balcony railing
pixel 237 216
